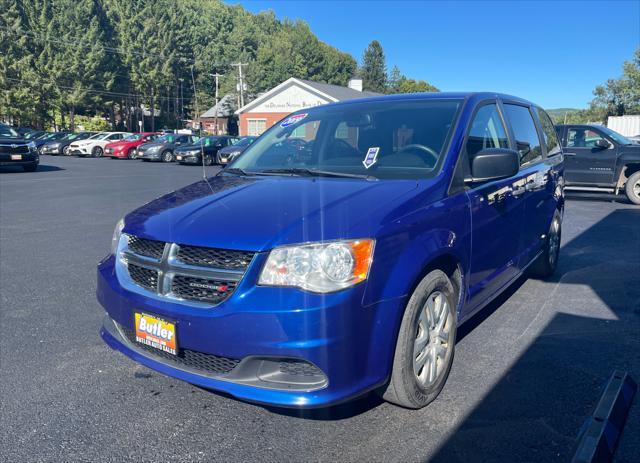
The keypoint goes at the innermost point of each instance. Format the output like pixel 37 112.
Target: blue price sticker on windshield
pixel 371 158
pixel 293 120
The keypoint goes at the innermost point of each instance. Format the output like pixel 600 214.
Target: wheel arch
pixel 627 170
pixel 448 263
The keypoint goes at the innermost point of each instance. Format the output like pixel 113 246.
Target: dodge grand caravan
pixel 305 274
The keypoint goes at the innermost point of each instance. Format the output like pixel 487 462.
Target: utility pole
pixel 241 85
pixel 217 76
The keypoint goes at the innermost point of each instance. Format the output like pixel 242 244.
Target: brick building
pixel 293 95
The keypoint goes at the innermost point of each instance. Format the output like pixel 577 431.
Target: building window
pixel 256 127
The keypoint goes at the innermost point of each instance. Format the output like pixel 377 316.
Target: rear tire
pixel 632 188
pixel 65 151
pixel 131 154
pixel 208 160
pixel 426 343
pixel 547 262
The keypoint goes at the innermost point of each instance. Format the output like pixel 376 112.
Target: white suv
pixel 94 146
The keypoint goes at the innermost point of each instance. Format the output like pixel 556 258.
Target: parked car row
pixel 146 146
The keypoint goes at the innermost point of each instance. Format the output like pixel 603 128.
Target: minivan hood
pixel 259 213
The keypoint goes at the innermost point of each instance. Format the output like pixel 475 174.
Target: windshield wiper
pixel 313 172
pixel 233 170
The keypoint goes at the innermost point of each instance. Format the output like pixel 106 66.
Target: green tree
pixel 374 70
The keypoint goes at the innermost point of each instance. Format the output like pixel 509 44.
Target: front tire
pixel 632 188
pixel 97 152
pixel 426 342
pixel 547 262
pixel 167 156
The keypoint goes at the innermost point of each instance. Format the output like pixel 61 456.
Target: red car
pixel 127 148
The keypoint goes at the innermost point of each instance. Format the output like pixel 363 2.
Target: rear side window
pixel 548 130
pixel 524 129
pixel 487 131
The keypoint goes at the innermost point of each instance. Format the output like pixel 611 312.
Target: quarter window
pixel 548 130
pixel 487 131
pixel 524 129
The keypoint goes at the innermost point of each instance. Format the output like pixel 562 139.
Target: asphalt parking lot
pixel 528 369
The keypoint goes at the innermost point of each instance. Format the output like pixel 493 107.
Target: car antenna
pixel 195 99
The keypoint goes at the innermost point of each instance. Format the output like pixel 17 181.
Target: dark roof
pixel 225 108
pixel 338 92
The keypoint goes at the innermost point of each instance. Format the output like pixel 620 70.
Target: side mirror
pixel 602 144
pixel 494 163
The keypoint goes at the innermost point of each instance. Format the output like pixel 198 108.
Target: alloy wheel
pixel 432 339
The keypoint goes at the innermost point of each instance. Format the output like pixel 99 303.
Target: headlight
pixel 32 146
pixel 319 267
pixel 116 236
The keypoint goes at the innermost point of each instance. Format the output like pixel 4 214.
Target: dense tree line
pixel 616 97
pixel 62 58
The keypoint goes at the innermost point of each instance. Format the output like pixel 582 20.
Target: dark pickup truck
pixel 598 158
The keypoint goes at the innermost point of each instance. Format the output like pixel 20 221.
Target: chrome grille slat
pixel 206 278
pixel 226 259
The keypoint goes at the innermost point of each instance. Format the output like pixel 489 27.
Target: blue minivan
pixel 341 252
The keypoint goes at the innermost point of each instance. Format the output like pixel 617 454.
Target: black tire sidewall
pixel 406 382
pixel 166 156
pixel 96 152
pixel 631 181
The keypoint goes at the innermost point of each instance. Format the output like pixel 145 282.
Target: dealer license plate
pixel 16 157
pixel 156 332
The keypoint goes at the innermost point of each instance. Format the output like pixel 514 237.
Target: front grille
pixel 299 368
pixel 201 289
pixel 145 247
pixel 217 258
pixel 196 275
pixel 14 148
pixel 189 358
pixel 143 276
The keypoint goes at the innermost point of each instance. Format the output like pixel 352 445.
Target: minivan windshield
pixel 382 139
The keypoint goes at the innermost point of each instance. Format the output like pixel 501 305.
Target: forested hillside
pixel 62 58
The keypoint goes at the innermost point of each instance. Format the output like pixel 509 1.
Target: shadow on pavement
pixel 20 170
pixel 535 411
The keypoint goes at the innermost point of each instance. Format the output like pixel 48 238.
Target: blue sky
pixel 551 52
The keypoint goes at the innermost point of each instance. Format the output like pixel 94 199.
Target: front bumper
pixel 350 344
pixel 115 154
pixel 50 150
pixel 150 156
pixel 24 159
pixel 188 159
pixel 79 151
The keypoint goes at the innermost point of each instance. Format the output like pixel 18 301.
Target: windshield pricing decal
pixel 293 120
pixel 371 158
